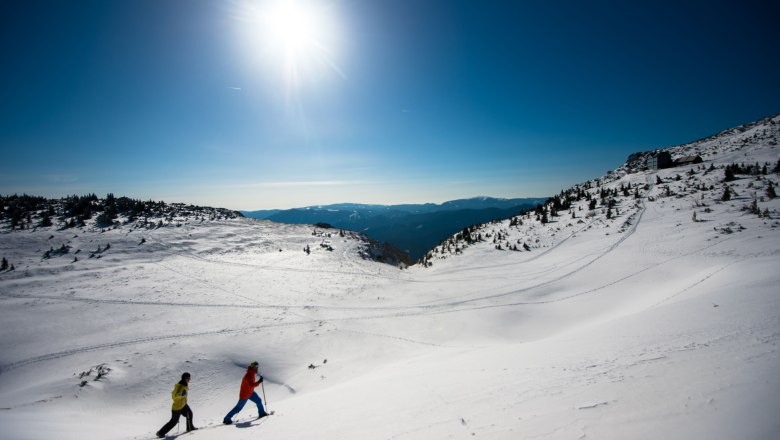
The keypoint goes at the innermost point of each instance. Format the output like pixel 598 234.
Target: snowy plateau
pixel 647 308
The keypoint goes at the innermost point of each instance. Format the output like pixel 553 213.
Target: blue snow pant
pixel 240 405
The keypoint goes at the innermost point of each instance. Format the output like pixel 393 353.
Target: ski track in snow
pixel 73 351
pixel 399 338
pixel 144 340
pixel 707 277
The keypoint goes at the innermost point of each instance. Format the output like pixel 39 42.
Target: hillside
pixel 629 320
pixel 612 203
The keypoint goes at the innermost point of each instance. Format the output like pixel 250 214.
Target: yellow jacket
pixel 179 396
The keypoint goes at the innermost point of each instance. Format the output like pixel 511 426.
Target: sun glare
pixel 293 28
pixel 297 37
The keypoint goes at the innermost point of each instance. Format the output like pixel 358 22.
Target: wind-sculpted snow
pixel 646 307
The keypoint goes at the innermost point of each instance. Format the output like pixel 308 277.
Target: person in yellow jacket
pixel 179 407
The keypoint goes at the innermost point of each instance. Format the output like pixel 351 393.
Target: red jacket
pixel 248 384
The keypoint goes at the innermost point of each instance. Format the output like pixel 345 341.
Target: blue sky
pixel 234 104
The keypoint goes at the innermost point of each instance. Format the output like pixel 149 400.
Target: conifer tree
pixel 770 190
pixel 754 209
pixel 726 194
pixel 728 174
pixel 4 264
pixel 45 221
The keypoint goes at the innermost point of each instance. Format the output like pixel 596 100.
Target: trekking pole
pixel 262 386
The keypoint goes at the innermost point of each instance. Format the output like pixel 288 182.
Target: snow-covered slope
pixel 647 324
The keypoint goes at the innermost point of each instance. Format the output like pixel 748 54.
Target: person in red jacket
pixel 248 385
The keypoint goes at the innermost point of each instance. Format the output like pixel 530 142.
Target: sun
pixel 295 37
pixel 294 28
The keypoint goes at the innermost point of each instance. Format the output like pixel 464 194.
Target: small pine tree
pixel 45 221
pixel 658 180
pixel 754 209
pixel 728 174
pixel 726 194
pixel 770 190
pixel 4 264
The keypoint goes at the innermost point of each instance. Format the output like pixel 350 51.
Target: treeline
pixel 591 191
pixel 731 171
pixel 25 211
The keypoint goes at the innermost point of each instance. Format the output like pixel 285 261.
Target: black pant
pixel 186 412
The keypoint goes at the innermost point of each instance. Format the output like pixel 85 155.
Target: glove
pixel 259 379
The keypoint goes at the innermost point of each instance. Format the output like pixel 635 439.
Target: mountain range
pixel 413 228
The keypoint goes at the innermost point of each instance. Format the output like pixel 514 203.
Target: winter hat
pixel 186 375
pixel 254 365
